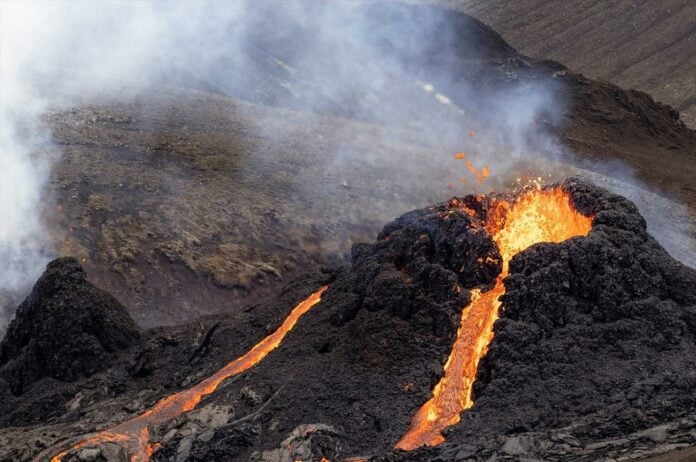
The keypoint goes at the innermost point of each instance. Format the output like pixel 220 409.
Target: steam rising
pixel 22 174
pixel 322 58
pixel 57 54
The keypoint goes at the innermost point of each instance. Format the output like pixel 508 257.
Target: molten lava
pixel 535 216
pixel 133 434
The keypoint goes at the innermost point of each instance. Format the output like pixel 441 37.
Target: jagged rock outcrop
pixel 593 356
pixel 602 325
pixel 65 329
pixel 596 342
pixel 594 350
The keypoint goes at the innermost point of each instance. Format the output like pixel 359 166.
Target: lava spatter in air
pixel 133 434
pixel 535 216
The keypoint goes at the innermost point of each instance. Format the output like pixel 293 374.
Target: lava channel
pixel 133 434
pixel 539 215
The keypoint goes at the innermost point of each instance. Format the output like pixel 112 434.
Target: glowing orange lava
pixel 480 175
pixel 133 434
pixel 535 216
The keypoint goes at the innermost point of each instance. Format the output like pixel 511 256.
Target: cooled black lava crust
pixel 598 332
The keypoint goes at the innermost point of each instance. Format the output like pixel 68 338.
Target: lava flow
pixel 535 216
pixel 133 434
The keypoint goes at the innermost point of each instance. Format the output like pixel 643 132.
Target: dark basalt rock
pixel 584 322
pixel 597 334
pixel 435 251
pixel 66 328
pixel 365 357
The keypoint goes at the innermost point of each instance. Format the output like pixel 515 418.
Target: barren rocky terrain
pixel 204 210
pixel 644 45
pixel 592 357
pixel 186 201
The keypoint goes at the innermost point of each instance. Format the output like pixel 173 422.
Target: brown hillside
pixel 639 44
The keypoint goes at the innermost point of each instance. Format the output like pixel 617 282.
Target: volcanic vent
pixel 596 329
pixel 534 216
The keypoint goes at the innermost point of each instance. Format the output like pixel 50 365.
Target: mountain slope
pixel 592 356
pixel 641 44
pixel 199 196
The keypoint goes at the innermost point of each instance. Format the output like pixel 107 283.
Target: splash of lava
pixel 133 434
pixel 535 216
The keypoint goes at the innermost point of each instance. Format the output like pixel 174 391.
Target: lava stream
pixel 535 216
pixel 133 434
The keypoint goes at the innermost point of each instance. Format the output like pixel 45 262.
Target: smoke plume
pixel 380 63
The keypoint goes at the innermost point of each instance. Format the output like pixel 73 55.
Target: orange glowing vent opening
pixel 134 435
pixel 535 216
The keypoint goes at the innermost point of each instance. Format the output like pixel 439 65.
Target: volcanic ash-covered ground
pixel 544 325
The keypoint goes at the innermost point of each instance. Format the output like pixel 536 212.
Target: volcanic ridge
pixel 589 352
pixel 141 187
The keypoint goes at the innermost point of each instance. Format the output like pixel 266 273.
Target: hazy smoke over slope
pixel 22 175
pixel 374 62
pixel 54 55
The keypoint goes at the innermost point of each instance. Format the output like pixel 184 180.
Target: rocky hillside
pixel 591 358
pixel 633 44
pixel 196 214
pixel 200 196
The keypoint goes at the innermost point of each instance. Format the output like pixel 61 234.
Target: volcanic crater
pixel 572 324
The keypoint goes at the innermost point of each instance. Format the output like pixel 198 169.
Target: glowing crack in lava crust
pixel 535 216
pixel 133 434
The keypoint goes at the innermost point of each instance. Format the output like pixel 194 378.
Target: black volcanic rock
pixel 369 353
pixel 597 335
pixel 596 331
pixel 66 328
pixel 599 325
pixel 436 251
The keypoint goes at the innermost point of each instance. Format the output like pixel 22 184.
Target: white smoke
pixel 57 54
pixel 23 173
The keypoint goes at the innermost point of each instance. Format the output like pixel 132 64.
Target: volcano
pixel 141 190
pixel 226 288
pixel 543 324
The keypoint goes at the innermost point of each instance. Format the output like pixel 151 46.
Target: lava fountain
pixel 133 434
pixel 538 215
